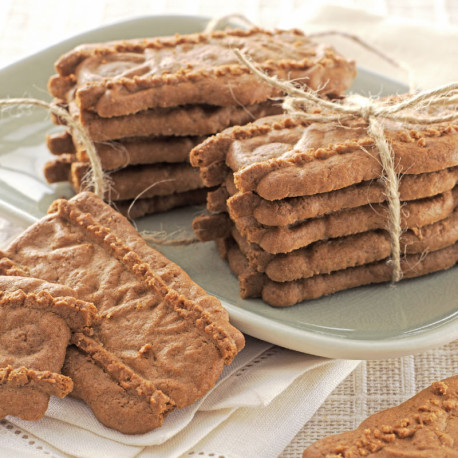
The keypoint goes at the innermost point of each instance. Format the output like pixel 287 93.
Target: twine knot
pixel 364 105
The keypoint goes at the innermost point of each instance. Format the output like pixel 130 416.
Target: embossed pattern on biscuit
pixel 126 77
pixel 161 342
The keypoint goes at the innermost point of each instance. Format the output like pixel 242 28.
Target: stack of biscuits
pixel 302 210
pixel 145 103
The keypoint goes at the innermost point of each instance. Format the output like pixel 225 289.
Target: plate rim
pixel 277 333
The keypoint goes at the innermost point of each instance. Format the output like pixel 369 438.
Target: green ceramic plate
pixel 363 323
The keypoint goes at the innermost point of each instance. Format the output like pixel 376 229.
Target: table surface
pixel 26 26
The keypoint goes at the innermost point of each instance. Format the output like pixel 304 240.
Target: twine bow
pixel 298 103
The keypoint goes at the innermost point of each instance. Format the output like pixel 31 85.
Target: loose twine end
pixel 95 175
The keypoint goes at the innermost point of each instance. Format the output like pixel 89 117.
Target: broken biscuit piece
pixel 423 426
pixel 36 322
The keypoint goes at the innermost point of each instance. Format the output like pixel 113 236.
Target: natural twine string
pixel 300 103
pixel 96 176
pixel 164 239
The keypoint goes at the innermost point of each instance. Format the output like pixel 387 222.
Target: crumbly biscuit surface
pixel 125 77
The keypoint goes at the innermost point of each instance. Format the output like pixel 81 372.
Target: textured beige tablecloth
pixel 27 26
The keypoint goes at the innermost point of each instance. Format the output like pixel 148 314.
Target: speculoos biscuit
pixel 125 77
pixel 264 159
pixel 284 294
pixel 423 426
pixel 130 151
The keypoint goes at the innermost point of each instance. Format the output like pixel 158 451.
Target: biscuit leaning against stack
pixel 145 103
pixel 302 212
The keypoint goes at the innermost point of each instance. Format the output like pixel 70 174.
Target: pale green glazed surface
pixel 368 322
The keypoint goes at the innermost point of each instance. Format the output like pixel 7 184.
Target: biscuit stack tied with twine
pixel 145 103
pixel 335 195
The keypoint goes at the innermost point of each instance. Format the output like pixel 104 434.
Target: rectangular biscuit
pixel 59 169
pixel 140 207
pixel 125 77
pixel 161 341
pixel 348 251
pixel 130 151
pixel 283 239
pixel 60 143
pixel 143 181
pixel 424 425
pixel 188 120
pixel 266 160
pixel 285 294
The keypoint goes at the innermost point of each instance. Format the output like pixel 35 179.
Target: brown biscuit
pixel 285 294
pixel 216 200
pixel 212 227
pixel 189 120
pixel 264 158
pixel 60 143
pixel 131 151
pixel 126 182
pixel 141 207
pixel 293 209
pixel 125 77
pixel 283 239
pixel 340 253
pixel 161 342
pixel 423 426
pixel 214 174
pixel 59 169
pixel 36 318
pixel 143 181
